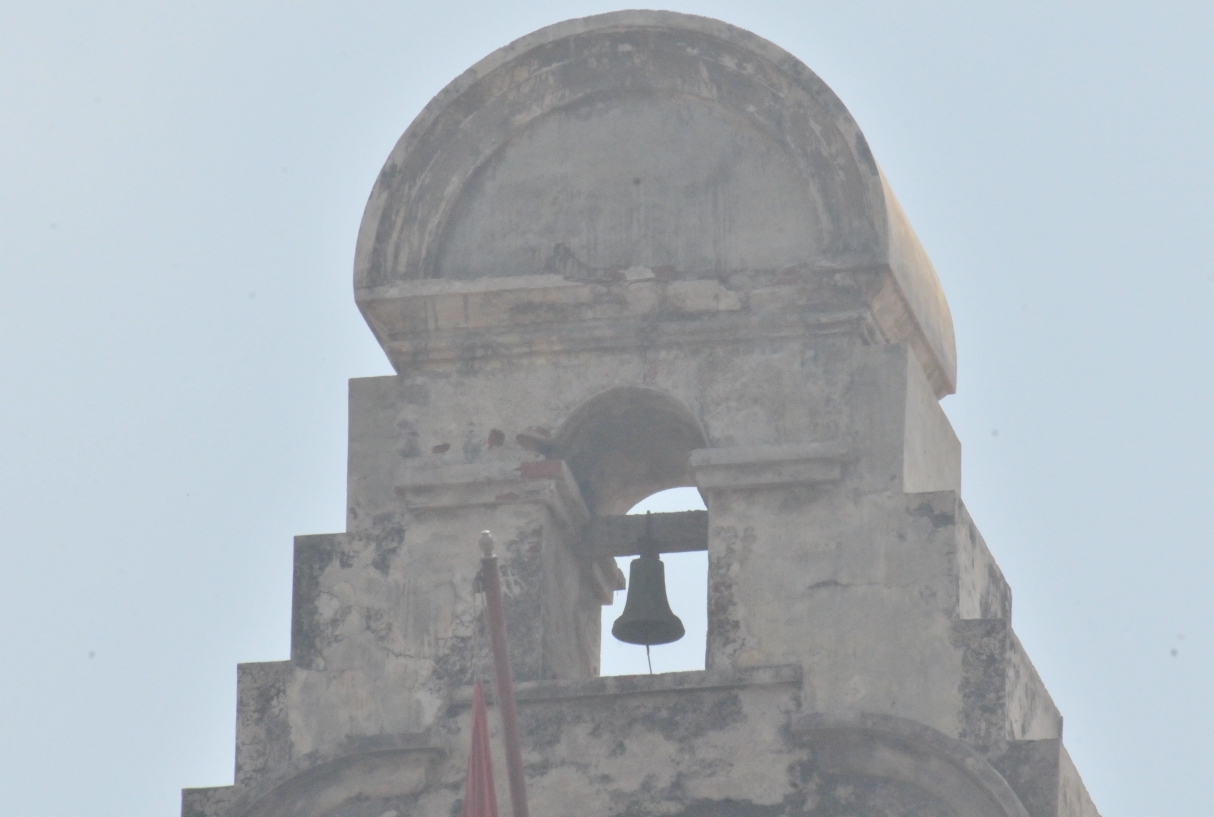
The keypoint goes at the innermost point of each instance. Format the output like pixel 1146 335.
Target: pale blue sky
pixel 180 188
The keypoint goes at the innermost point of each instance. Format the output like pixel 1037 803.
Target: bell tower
pixel 626 253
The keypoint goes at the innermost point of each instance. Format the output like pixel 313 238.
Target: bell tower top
pixel 623 254
pixel 630 147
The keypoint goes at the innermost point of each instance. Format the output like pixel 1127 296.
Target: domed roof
pixel 650 140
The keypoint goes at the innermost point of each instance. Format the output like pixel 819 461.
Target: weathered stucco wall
pixel 623 254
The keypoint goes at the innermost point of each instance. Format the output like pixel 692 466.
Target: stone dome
pixel 644 140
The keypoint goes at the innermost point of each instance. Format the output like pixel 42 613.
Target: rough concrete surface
pixel 623 254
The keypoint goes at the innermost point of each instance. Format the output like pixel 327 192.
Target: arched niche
pixel 880 764
pixel 376 783
pixel 627 443
pixel 652 180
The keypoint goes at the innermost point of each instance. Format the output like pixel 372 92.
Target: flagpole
pixel 492 584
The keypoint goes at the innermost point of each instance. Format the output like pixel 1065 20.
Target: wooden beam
pixel 622 535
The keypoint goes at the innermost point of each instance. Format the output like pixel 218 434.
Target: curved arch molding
pixel 864 764
pixel 643 141
pixel 871 763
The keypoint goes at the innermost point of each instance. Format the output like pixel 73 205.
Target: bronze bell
pixel 647 618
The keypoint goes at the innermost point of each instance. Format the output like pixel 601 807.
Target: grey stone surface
pixel 623 254
pixel 665 144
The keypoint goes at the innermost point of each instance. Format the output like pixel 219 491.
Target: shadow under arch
pixel 627 443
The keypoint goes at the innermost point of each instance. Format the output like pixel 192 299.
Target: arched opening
pixel 687 590
pixel 626 444
pixel 629 450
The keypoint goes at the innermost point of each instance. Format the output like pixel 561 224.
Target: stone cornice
pixel 546 482
pixel 430 322
pixel 761 466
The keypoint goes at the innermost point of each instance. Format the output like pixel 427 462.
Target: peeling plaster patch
pixel 327 606
pixel 939 519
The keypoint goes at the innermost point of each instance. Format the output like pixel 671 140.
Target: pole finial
pixel 486 544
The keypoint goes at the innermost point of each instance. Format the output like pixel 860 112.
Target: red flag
pixel 479 798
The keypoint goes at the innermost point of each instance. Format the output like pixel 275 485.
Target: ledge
pixel 767 465
pixel 547 482
pixel 534 692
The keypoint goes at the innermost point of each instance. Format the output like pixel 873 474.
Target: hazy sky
pixel 180 188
